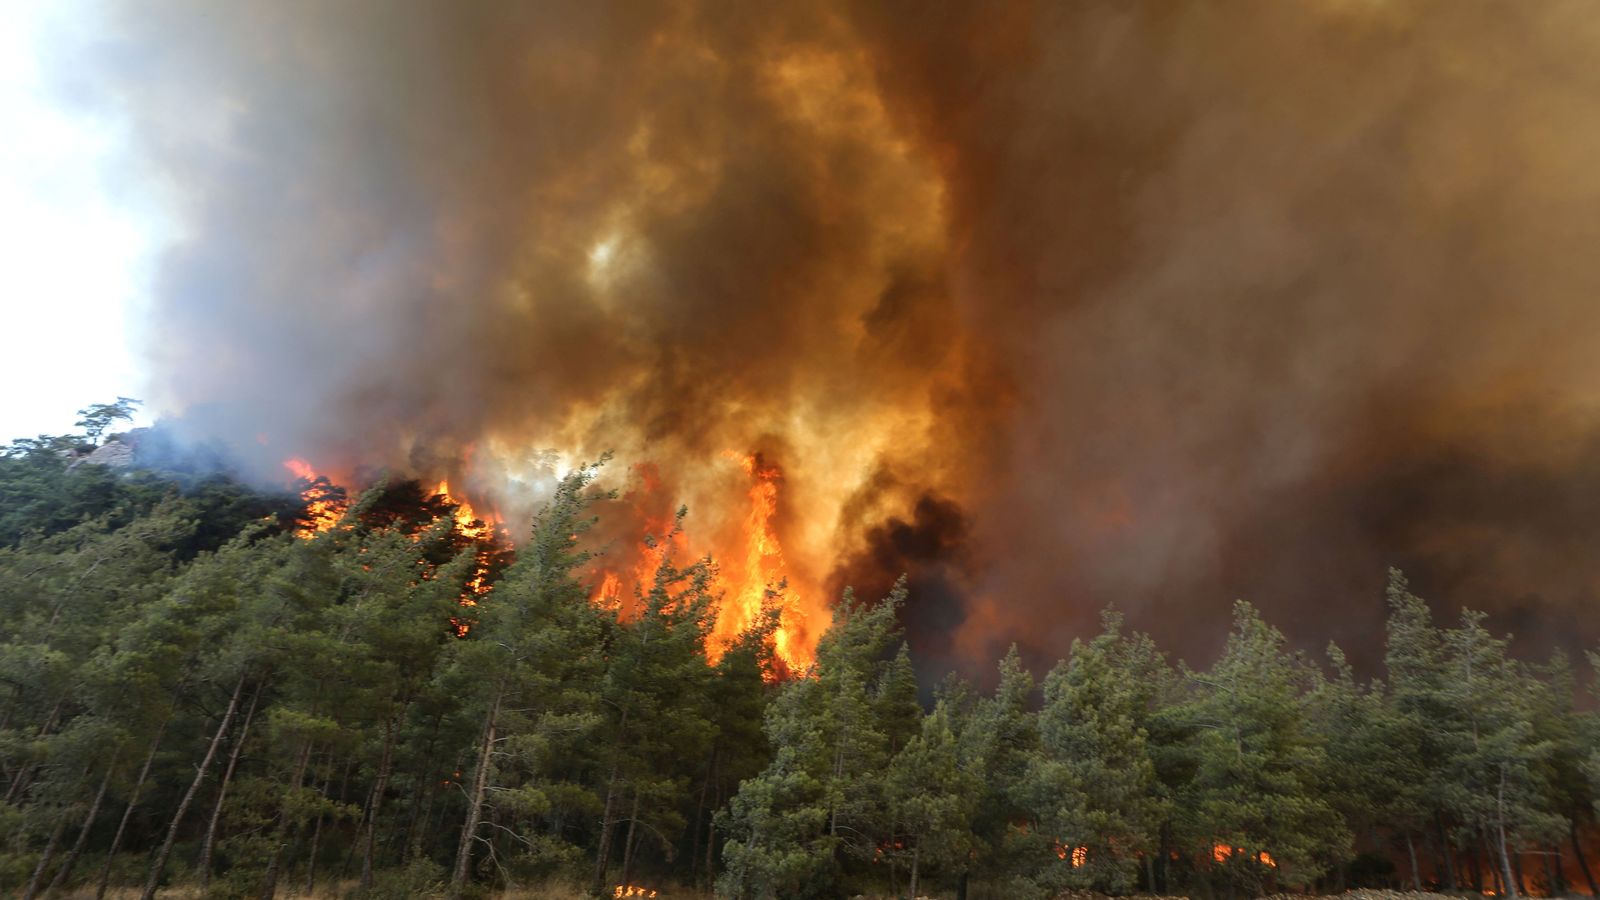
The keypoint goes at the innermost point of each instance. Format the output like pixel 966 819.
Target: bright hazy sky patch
pixel 74 252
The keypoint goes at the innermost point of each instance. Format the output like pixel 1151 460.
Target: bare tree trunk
pixel 700 816
pixel 269 882
pixel 1552 873
pixel 1583 862
pixel 422 800
pixel 711 849
pixel 629 842
pixel 83 832
pixel 44 859
pixel 916 853
pixel 133 801
pixel 24 775
pixel 1411 851
pixel 1500 836
pixel 316 832
pixel 380 785
pixel 480 788
pixel 421 810
pixel 1475 869
pixel 603 854
pixel 160 864
pixel 209 843
pixel 1449 853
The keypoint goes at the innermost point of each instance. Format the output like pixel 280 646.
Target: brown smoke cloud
pixel 1051 305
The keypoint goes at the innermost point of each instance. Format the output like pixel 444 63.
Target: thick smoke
pixel 1052 304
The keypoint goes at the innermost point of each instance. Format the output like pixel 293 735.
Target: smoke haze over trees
pixel 1047 305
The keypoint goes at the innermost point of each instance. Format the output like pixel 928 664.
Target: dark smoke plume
pixel 1166 304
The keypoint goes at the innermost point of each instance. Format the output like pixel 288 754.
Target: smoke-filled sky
pixel 1051 305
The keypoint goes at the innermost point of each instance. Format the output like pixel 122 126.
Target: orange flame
pixel 482 531
pixel 630 890
pixel 762 567
pixel 1222 853
pixel 750 563
pixel 1078 856
pixel 324 506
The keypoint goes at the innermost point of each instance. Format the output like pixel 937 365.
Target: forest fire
pixel 750 563
pixel 482 531
pixel 763 565
pixel 325 504
pixel 1222 853
pixel 1077 856
pixel 749 554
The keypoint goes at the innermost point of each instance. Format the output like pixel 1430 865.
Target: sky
pixel 76 245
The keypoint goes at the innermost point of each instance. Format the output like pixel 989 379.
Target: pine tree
pixel 1495 778
pixel 931 799
pixel 1373 779
pixel 998 741
pixel 1092 783
pixel 654 688
pixel 538 628
pixel 1420 732
pixel 1258 796
pixel 820 804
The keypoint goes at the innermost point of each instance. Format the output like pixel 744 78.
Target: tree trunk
pixel 838 773
pixel 421 811
pixel 83 832
pixel 1411 851
pixel 269 883
pixel 209 843
pixel 316 831
pixel 916 852
pixel 44 859
pixel 1500 836
pixel 480 789
pixel 1449 854
pixel 24 775
pixel 380 784
pixel 630 842
pixel 160 864
pixel 1583 861
pixel 1475 869
pixel 1552 873
pixel 711 848
pixel 603 855
pixel 133 801
pixel 700 815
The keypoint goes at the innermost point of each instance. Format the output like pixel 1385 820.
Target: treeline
pixel 194 691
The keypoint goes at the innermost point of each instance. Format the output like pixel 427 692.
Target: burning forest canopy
pixel 1045 305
